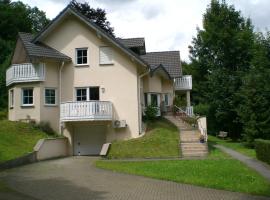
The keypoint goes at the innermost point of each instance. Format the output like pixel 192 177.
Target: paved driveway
pixel 76 178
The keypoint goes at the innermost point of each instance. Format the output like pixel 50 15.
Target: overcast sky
pixel 165 24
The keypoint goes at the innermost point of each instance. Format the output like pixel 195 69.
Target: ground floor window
pixel 152 99
pixel 87 94
pixel 166 99
pixel 11 98
pixel 50 96
pixel 27 97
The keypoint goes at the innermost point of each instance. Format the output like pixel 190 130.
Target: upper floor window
pixel 27 97
pixel 87 94
pixel 50 96
pixel 11 98
pixel 81 56
pixel 81 94
pixel 105 56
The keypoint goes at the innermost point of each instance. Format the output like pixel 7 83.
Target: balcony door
pixel 87 94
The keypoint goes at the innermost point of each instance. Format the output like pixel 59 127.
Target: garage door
pixel 88 140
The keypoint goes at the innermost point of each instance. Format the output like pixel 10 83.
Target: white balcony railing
pixel 183 83
pixel 26 72
pixel 185 110
pixel 86 111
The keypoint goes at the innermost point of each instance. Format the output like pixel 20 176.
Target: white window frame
pixel 11 98
pixel 168 95
pixel 22 97
pixel 109 62
pixel 55 97
pixel 76 56
pixel 87 92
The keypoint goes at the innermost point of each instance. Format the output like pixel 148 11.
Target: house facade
pixel 89 86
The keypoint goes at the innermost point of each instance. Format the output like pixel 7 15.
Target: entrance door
pixel 88 139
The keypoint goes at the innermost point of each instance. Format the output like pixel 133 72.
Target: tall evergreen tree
pixel 254 108
pixel 221 53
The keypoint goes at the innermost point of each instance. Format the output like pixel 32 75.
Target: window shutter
pixel 105 56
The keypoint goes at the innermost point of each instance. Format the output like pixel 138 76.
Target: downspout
pixel 139 96
pixel 60 95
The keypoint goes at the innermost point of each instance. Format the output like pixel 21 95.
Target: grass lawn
pixel 217 171
pixel 160 141
pixel 237 146
pixel 17 139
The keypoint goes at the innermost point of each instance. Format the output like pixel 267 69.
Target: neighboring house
pixel 90 87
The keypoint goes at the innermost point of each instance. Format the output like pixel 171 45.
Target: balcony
pixel 183 83
pixel 26 72
pixel 86 111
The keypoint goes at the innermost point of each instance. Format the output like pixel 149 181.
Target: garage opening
pixel 88 139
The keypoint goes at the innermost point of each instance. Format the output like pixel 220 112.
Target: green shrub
pixel 201 109
pixel 45 127
pixel 262 148
pixel 151 112
pixel 3 114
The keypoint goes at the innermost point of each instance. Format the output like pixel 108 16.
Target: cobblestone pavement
pixel 259 166
pixel 76 178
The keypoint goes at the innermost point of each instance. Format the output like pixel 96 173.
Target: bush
pixel 263 150
pixel 3 114
pixel 45 127
pixel 201 109
pixel 151 112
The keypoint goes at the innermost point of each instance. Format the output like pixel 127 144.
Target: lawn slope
pixel 17 139
pixel 218 170
pixel 160 141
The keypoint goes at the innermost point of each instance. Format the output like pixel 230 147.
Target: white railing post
pixel 183 83
pixel 86 110
pixel 26 72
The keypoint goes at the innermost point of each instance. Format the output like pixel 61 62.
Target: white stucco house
pixel 88 85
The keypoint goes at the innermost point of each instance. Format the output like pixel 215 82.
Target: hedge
pixel 263 150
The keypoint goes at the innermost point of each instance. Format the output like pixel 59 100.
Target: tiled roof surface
pixel 169 59
pixel 40 50
pixel 132 42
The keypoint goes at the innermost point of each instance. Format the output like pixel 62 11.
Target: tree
pixel 254 107
pixel 221 54
pixel 15 17
pixel 98 16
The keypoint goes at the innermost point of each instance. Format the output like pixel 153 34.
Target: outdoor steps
pixel 189 139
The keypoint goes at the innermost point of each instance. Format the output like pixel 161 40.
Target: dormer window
pixel 81 56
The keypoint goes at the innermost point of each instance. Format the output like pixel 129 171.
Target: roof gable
pixel 40 50
pixel 170 60
pixel 69 10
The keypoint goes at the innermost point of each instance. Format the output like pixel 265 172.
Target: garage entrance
pixel 88 139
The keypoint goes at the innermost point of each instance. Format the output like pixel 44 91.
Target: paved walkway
pixel 257 165
pixel 77 178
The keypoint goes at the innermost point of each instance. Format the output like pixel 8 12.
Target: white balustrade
pixel 86 111
pixel 185 110
pixel 183 83
pixel 26 72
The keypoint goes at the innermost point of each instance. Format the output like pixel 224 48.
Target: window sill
pixel 106 64
pixel 81 65
pixel 50 105
pixel 28 106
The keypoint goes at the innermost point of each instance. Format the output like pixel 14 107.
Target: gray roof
pixel 170 60
pixel 39 50
pixel 132 42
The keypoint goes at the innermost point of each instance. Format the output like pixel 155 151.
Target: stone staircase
pixel 189 139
